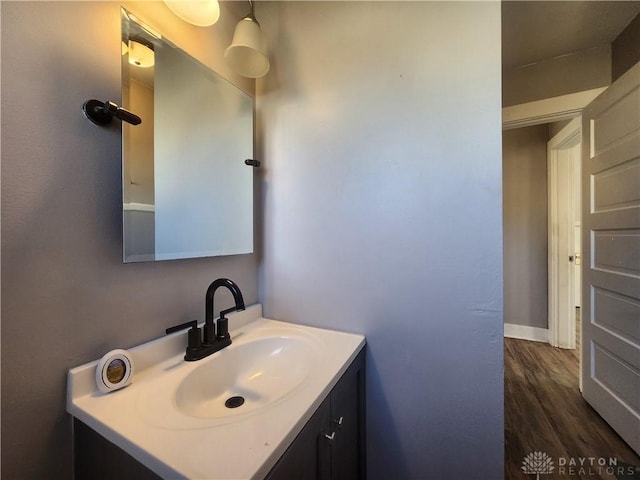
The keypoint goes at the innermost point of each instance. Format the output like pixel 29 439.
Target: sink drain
pixel 234 402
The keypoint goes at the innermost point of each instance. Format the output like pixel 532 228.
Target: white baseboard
pixel 524 332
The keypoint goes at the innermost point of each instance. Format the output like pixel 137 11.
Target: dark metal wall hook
pixel 101 113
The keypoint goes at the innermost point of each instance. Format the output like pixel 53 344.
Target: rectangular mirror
pixel 186 189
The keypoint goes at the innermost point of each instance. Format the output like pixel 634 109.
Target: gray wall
pixel 524 177
pixel 557 76
pixel 625 49
pixel 380 133
pixel 592 68
pixel 66 296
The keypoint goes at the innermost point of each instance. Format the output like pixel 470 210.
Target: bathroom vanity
pixel 302 413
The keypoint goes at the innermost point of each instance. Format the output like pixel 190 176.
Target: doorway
pixel 541 220
pixel 559 111
pixel 564 194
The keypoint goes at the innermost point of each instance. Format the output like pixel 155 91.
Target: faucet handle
pixel 223 327
pixel 182 326
pixel 194 339
pixel 223 323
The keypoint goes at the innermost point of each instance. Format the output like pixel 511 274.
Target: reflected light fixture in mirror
pixel 140 54
pixel 247 54
pixel 202 13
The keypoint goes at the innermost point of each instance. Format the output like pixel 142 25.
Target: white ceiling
pixel 536 30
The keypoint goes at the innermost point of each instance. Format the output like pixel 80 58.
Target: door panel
pixel 617 187
pixel 617 120
pixel 611 247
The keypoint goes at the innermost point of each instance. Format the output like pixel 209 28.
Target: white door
pixel 611 256
pixel 563 167
pixel 577 262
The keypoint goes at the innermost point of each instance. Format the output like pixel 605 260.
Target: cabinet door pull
pixel 339 421
pixel 330 437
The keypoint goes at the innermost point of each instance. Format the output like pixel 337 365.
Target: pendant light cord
pixel 251 15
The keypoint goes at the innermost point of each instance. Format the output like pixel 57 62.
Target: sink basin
pixel 244 378
pixel 252 374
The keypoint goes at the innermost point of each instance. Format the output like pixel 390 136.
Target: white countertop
pixel 140 418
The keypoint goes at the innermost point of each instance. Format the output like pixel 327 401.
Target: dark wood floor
pixel 545 412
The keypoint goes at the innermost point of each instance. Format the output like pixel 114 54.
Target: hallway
pixel 544 412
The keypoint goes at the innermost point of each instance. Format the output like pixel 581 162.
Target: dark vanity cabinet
pixel 331 446
pixel 96 458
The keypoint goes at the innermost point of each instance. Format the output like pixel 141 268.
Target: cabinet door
pixel 96 458
pixel 347 421
pixel 308 456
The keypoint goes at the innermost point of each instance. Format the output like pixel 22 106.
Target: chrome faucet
pixel 200 347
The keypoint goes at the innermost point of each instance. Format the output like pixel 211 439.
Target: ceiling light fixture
pixel 247 54
pixel 141 55
pixel 202 13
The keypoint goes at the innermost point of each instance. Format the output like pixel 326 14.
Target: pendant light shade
pixel 140 55
pixel 202 13
pixel 247 54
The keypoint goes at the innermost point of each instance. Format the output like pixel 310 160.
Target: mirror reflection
pixel 186 189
